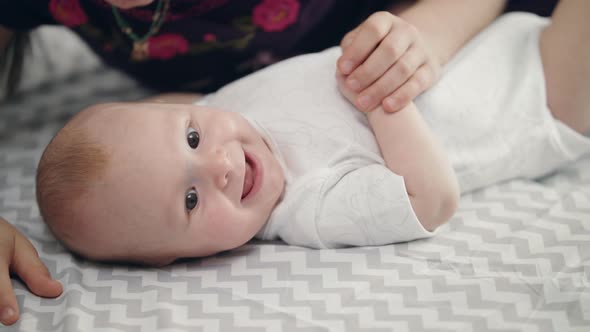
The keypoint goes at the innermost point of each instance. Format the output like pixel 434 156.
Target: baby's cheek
pixel 234 229
pixel 222 221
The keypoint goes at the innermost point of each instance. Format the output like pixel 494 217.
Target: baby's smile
pixel 252 176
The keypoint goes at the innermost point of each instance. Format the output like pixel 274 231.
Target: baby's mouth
pixel 249 176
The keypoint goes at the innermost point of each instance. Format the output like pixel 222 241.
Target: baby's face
pixel 183 181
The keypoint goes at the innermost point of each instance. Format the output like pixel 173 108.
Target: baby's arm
pixel 411 151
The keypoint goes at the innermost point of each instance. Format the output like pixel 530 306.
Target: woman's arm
pixel 389 59
pixel 565 51
pixel 447 25
pixel 411 151
pixel 5 36
pixel 13 46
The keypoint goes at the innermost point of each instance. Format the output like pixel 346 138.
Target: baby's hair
pixel 69 166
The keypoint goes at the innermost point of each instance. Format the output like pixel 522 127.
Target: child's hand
pixel 385 61
pixel 17 255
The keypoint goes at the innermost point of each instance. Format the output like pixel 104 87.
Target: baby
pixel 281 154
pixel 155 181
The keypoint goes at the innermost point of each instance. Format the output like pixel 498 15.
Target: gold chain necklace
pixel 140 47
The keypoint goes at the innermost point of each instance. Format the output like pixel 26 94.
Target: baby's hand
pixel 17 255
pixel 384 60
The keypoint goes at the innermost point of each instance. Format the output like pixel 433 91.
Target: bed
pixel 516 257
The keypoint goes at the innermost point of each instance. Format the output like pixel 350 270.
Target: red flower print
pixel 67 12
pixel 209 37
pixel 275 15
pixel 166 46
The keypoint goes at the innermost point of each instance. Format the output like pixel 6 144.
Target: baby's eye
pixel 193 138
pixel 191 199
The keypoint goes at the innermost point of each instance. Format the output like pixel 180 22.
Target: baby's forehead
pixel 94 117
pixel 121 117
pixel 108 111
pixel 122 109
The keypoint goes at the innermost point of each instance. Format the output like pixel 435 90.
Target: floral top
pixel 201 44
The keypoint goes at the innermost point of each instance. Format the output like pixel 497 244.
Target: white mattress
pixel 516 257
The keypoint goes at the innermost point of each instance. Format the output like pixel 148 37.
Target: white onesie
pixel 488 110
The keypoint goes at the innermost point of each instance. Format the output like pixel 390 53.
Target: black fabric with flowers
pixel 201 44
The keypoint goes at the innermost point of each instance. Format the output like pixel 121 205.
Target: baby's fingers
pixel 32 271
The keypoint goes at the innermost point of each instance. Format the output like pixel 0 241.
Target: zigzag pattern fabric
pixel 516 257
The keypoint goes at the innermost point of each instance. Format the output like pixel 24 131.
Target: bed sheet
pixel 516 257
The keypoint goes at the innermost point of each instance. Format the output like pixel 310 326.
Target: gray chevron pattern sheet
pixel 516 257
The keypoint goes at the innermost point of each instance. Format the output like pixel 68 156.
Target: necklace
pixel 179 9
pixel 140 51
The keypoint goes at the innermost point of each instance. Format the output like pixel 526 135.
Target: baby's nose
pixel 219 166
